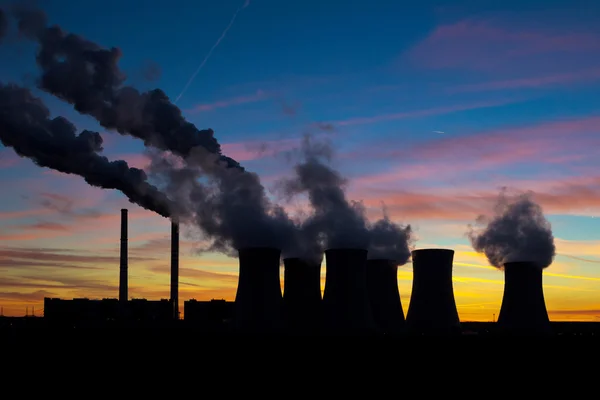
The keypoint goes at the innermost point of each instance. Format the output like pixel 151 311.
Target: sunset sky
pixel 434 108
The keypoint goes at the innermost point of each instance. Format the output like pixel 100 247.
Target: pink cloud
pixel 531 82
pixel 421 113
pixel 234 101
pixel 482 45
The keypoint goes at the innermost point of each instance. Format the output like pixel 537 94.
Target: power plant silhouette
pixel 360 296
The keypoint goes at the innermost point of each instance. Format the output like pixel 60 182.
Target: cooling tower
pixel 258 301
pixel 123 296
pixel 301 296
pixel 432 309
pixel 523 310
pixel 384 296
pixel 175 268
pixel 346 308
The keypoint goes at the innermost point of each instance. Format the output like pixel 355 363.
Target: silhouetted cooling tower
pixel 301 296
pixel 384 296
pixel 346 307
pixel 523 309
pixel 258 301
pixel 123 296
pixel 432 308
pixel 175 268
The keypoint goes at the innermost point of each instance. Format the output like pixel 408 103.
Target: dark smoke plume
pixel 3 24
pixel 518 231
pixel 26 126
pixel 341 223
pixel 87 76
pixel 390 241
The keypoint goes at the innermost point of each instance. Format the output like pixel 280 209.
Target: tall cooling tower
pixel 523 309
pixel 258 301
pixel 346 307
pixel 123 295
pixel 384 296
pixel 432 309
pixel 301 296
pixel 175 268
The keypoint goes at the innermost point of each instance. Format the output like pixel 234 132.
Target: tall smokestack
pixel 258 301
pixel 523 310
pixel 301 295
pixel 346 305
pixel 123 296
pixel 175 268
pixel 432 308
pixel 384 296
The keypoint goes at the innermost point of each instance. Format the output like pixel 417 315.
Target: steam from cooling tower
pixel 26 126
pixel 390 241
pixel 518 232
pixel 87 76
pixel 341 222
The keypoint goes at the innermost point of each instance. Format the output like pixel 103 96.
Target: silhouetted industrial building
pixel 346 306
pixel 432 309
pixel 384 295
pixel 207 313
pixel 523 310
pixel 302 304
pixel 258 300
pixel 93 312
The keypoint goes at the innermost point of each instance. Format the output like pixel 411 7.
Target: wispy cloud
pixel 234 101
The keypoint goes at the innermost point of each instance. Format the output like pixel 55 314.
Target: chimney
pixel 384 296
pixel 175 268
pixel 523 310
pixel 123 296
pixel 258 301
pixel 346 305
pixel 301 295
pixel 432 309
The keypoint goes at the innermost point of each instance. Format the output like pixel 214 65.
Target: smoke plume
pixel 87 76
pixel 518 231
pixel 340 222
pixel 390 241
pixel 3 24
pixel 26 126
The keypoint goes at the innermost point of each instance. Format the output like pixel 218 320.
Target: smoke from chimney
pixel 302 295
pixel 432 309
pixel 518 231
pixel 175 268
pixel 346 304
pixel 390 241
pixel 384 296
pixel 123 268
pixel 258 301
pixel 26 127
pixel 523 310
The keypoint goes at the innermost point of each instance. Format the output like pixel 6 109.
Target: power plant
pixel 384 296
pixel 432 309
pixel 361 296
pixel 523 310
pixel 346 307
pixel 258 301
pixel 301 296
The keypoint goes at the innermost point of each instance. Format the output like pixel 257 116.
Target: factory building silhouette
pixel 360 296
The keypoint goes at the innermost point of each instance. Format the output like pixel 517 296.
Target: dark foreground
pixel 26 326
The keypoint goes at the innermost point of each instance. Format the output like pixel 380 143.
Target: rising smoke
pixel 26 127
pixel 518 231
pixel 390 241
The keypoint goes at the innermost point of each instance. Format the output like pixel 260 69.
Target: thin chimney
pixel 175 268
pixel 123 273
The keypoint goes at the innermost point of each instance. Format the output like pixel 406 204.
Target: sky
pixel 433 109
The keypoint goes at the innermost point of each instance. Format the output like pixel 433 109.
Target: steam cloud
pixel 390 241
pixel 26 126
pixel 517 232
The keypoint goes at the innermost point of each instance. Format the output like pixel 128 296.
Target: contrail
pixel 189 82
